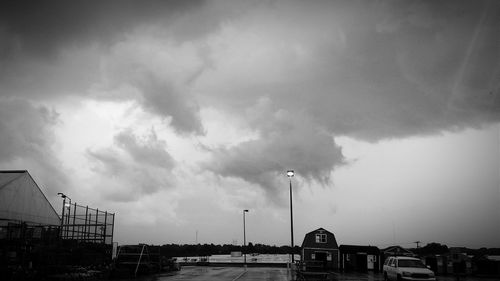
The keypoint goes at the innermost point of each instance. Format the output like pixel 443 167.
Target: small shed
pixel 320 251
pixel 488 265
pixel 395 251
pixel 459 262
pixel 359 258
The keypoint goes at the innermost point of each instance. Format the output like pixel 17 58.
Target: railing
pixel 86 224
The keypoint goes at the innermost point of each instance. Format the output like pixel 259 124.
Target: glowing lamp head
pixel 290 173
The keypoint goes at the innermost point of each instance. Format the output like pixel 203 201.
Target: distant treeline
pixel 440 249
pixel 189 250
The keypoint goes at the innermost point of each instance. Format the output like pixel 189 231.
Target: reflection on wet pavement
pixel 198 273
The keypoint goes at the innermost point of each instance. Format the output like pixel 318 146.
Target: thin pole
pixel 62 218
pixel 90 228
pixel 85 230
pixel 244 239
pixel 96 223
pixel 113 229
pixel 73 224
pixel 105 226
pixel 291 220
pixel 67 220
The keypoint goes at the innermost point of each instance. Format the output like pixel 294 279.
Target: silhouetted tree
pixel 432 249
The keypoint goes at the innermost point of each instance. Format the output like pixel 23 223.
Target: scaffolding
pixel 87 225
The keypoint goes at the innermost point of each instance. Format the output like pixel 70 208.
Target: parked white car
pixel 406 268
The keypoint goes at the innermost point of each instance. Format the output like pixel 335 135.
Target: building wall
pixel 320 251
pixel 359 258
pixel 320 259
pixel 360 262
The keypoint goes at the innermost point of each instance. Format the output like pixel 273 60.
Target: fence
pixel 85 224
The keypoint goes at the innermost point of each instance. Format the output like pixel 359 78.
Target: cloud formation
pixel 43 28
pixel 158 77
pixel 286 141
pixel 297 74
pixel 369 71
pixel 133 167
pixel 27 142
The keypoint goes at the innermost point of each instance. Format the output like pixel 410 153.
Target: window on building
pixel 320 238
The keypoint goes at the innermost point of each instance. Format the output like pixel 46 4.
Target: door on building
pixel 361 262
pixel 321 259
pixel 320 256
pixel 371 262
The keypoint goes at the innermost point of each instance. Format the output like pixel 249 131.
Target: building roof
pixel 372 250
pixel 22 200
pixel 397 250
pixel 310 240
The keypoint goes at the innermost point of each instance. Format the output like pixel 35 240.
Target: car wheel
pixel 399 278
pixel 385 276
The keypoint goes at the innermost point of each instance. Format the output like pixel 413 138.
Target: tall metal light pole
pixel 290 174
pixel 244 239
pixel 63 208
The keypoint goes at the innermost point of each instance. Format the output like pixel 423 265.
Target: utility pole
pixel 290 174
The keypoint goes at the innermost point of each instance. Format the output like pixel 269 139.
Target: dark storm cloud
pixel 368 70
pixel 161 84
pixel 152 152
pixel 42 27
pixel 166 99
pixel 407 69
pixel 384 69
pixel 54 48
pixel 27 142
pixel 287 140
pixel 264 162
pixel 135 167
pixel 25 128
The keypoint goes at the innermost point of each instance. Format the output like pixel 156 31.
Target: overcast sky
pixel 177 115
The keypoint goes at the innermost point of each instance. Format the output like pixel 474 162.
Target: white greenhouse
pixel 21 200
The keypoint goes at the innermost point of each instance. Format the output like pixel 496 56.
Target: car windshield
pixel 410 263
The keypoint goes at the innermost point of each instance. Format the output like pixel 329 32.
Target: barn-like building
pixel 320 251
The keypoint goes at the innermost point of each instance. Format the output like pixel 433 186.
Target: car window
pixel 410 263
pixel 393 262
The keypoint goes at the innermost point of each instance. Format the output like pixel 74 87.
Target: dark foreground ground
pixel 199 273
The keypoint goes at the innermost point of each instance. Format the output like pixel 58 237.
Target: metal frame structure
pixel 88 225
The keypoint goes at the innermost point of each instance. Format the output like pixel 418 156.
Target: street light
pixel 290 174
pixel 63 208
pixel 244 238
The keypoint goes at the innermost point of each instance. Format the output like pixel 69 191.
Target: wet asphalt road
pixel 227 274
pixel 250 274
pixel 198 273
